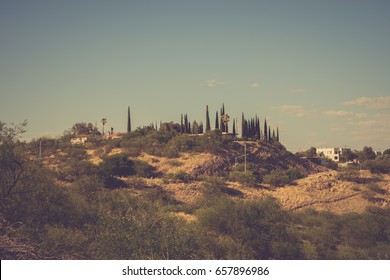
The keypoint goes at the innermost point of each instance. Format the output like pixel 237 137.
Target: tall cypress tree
pixel 207 119
pixel 216 120
pixel 234 127
pixel 221 126
pixel 186 130
pixel 128 119
pixel 258 131
pixel 243 132
pixel 265 130
pixel 277 134
pixel 269 133
pixel 181 124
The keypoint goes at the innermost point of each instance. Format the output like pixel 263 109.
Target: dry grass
pixel 327 190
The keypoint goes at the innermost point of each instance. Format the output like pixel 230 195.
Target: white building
pixel 79 139
pixel 331 153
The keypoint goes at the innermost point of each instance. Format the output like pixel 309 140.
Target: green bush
pixel 247 179
pixel 293 173
pixel 276 178
pixel 258 226
pixel 121 165
pixel 143 169
pixel 117 165
pixel 136 183
pixel 378 165
pixel 180 176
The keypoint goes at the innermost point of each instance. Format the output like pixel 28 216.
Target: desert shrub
pixel 213 185
pixel 356 188
pixel 168 152
pixel 65 243
pixel 148 233
pixel 319 232
pixel 48 146
pixel 364 230
pixel 276 178
pixel 377 166
pixel 111 182
pixel 180 176
pixel 247 179
pixel 89 186
pixel 251 178
pixel 293 173
pixel 136 182
pixel 117 165
pixel 50 204
pixel 350 175
pixel 76 152
pixel 159 195
pixel 370 196
pixel 175 163
pixel 132 151
pixel 143 169
pixel 345 252
pixel 258 226
pixel 75 168
pixel 377 189
pixel 121 165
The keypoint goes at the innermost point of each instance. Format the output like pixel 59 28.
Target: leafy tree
pixel 386 152
pixel 195 127
pixel 82 128
pixel 12 162
pixel 348 155
pixel 366 154
pixel 117 165
pixel 312 152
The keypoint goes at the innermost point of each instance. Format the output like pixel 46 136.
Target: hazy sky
pixel 319 70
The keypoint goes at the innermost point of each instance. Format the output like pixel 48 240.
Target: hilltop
pixel 183 175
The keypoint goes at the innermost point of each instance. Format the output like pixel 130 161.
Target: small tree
pixel 12 163
pixel 312 152
pixel 366 154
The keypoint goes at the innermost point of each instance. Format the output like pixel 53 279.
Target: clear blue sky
pixel 319 70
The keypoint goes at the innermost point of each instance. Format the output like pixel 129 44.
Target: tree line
pixel 250 128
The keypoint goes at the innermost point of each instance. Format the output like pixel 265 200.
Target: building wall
pixel 331 153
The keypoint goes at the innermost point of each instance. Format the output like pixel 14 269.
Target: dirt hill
pixel 322 188
pixel 260 155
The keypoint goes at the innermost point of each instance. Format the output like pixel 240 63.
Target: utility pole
pixel 40 149
pixel 245 157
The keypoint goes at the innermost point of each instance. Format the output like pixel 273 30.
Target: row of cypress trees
pixel 250 128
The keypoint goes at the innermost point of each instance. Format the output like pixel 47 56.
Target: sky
pixel 317 70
